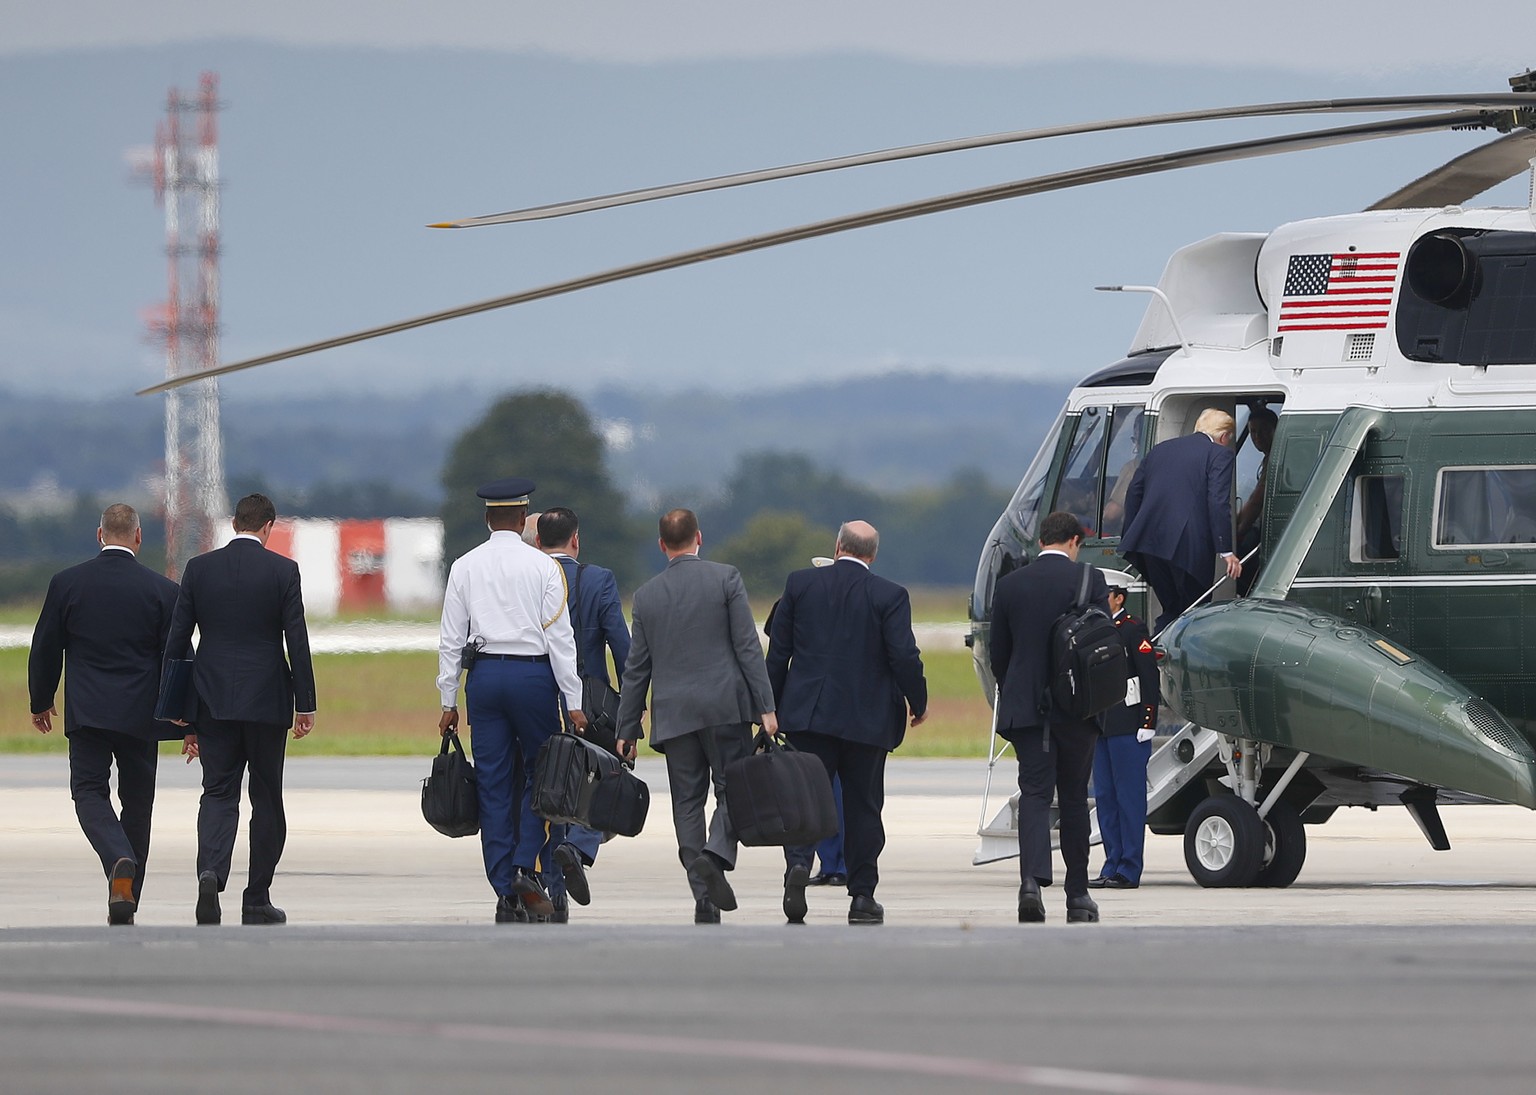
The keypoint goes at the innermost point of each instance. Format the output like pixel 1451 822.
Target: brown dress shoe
pixel 120 901
pixel 531 891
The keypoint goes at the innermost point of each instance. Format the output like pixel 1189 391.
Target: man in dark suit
pixel 245 602
pixel 597 615
pixel 846 675
pixel 1178 515
pixel 1055 751
pixel 697 655
pixel 1121 755
pixel 109 616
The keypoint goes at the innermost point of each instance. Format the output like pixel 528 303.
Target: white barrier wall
pixel 413 563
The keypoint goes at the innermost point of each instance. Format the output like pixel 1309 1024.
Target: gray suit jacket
pixel 695 647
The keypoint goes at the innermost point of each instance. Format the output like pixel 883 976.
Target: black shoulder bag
pixel 450 796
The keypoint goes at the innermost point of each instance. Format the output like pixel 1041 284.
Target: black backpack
pixel 1089 668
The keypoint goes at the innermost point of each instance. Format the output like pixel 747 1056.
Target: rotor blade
pixel 1062 180
pixel 1468 175
pixel 1494 101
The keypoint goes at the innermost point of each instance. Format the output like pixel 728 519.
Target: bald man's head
pixel 859 539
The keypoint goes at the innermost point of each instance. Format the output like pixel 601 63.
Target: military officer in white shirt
pixel 507 600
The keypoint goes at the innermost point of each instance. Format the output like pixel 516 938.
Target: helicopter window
pixel 1486 507
pixel 1024 507
pixel 1298 458
pixel 1082 480
pixel 1124 459
pixel 1377 534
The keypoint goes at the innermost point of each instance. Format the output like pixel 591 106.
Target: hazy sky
pixel 1373 35
pixel 350 125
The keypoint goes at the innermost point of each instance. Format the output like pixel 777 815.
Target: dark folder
pixel 178 699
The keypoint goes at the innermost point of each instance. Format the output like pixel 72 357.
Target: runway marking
pixel 839 1057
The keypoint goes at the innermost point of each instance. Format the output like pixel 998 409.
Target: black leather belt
pixel 512 657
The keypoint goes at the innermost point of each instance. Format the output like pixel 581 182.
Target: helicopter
pixel 1383 654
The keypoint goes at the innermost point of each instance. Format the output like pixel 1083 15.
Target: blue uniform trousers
pixel 513 708
pixel 585 840
pixel 1120 797
pixel 549 870
pixel 830 851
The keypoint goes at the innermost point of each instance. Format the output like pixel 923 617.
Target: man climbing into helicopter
pixel 1178 514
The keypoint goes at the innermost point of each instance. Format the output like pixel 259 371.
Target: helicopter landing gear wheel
pixel 1224 842
pixel 1285 846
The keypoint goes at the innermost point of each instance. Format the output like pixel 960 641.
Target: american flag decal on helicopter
pixel 1351 291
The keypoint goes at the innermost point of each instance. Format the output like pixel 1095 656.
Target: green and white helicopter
pixel 1386 652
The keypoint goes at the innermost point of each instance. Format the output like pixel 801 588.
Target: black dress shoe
pixel 1031 904
pixel 1119 882
pixel 865 910
pixel 207 911
pixel 527 887
pixel 1100 882
pixel 795 880
pixel 569 861
pixel 262 914
pixel 706 871
pixel 704 912
pixel 833 879
pixel 509 910
pixel 1082 910
pixel 120 901
pixel 562 910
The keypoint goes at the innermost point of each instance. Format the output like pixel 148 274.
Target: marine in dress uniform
pixel 508 600
pixel 1121 755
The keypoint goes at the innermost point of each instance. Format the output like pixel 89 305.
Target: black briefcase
pixel 566 767
pixel 779 796
pixel 450 797
pixel 177 701
pixel 617 803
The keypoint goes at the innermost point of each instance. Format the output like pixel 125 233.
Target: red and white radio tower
pixel 186 176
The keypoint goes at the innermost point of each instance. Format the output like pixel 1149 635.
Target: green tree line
pixel 775 511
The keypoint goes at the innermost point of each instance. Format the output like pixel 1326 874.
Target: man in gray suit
pixel 695 649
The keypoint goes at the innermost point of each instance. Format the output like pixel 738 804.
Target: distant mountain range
pixel 900 430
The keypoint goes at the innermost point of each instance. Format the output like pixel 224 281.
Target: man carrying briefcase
pixel 846 676
pixel 597 617
pixel 697 656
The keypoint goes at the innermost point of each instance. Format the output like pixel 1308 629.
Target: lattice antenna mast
pixel 195 498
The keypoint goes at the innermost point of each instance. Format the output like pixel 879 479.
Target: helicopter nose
pixel 1290 675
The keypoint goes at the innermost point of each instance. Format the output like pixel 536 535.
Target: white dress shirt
pixel 511 597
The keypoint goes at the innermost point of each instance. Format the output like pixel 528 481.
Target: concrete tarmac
pixel 1387 967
